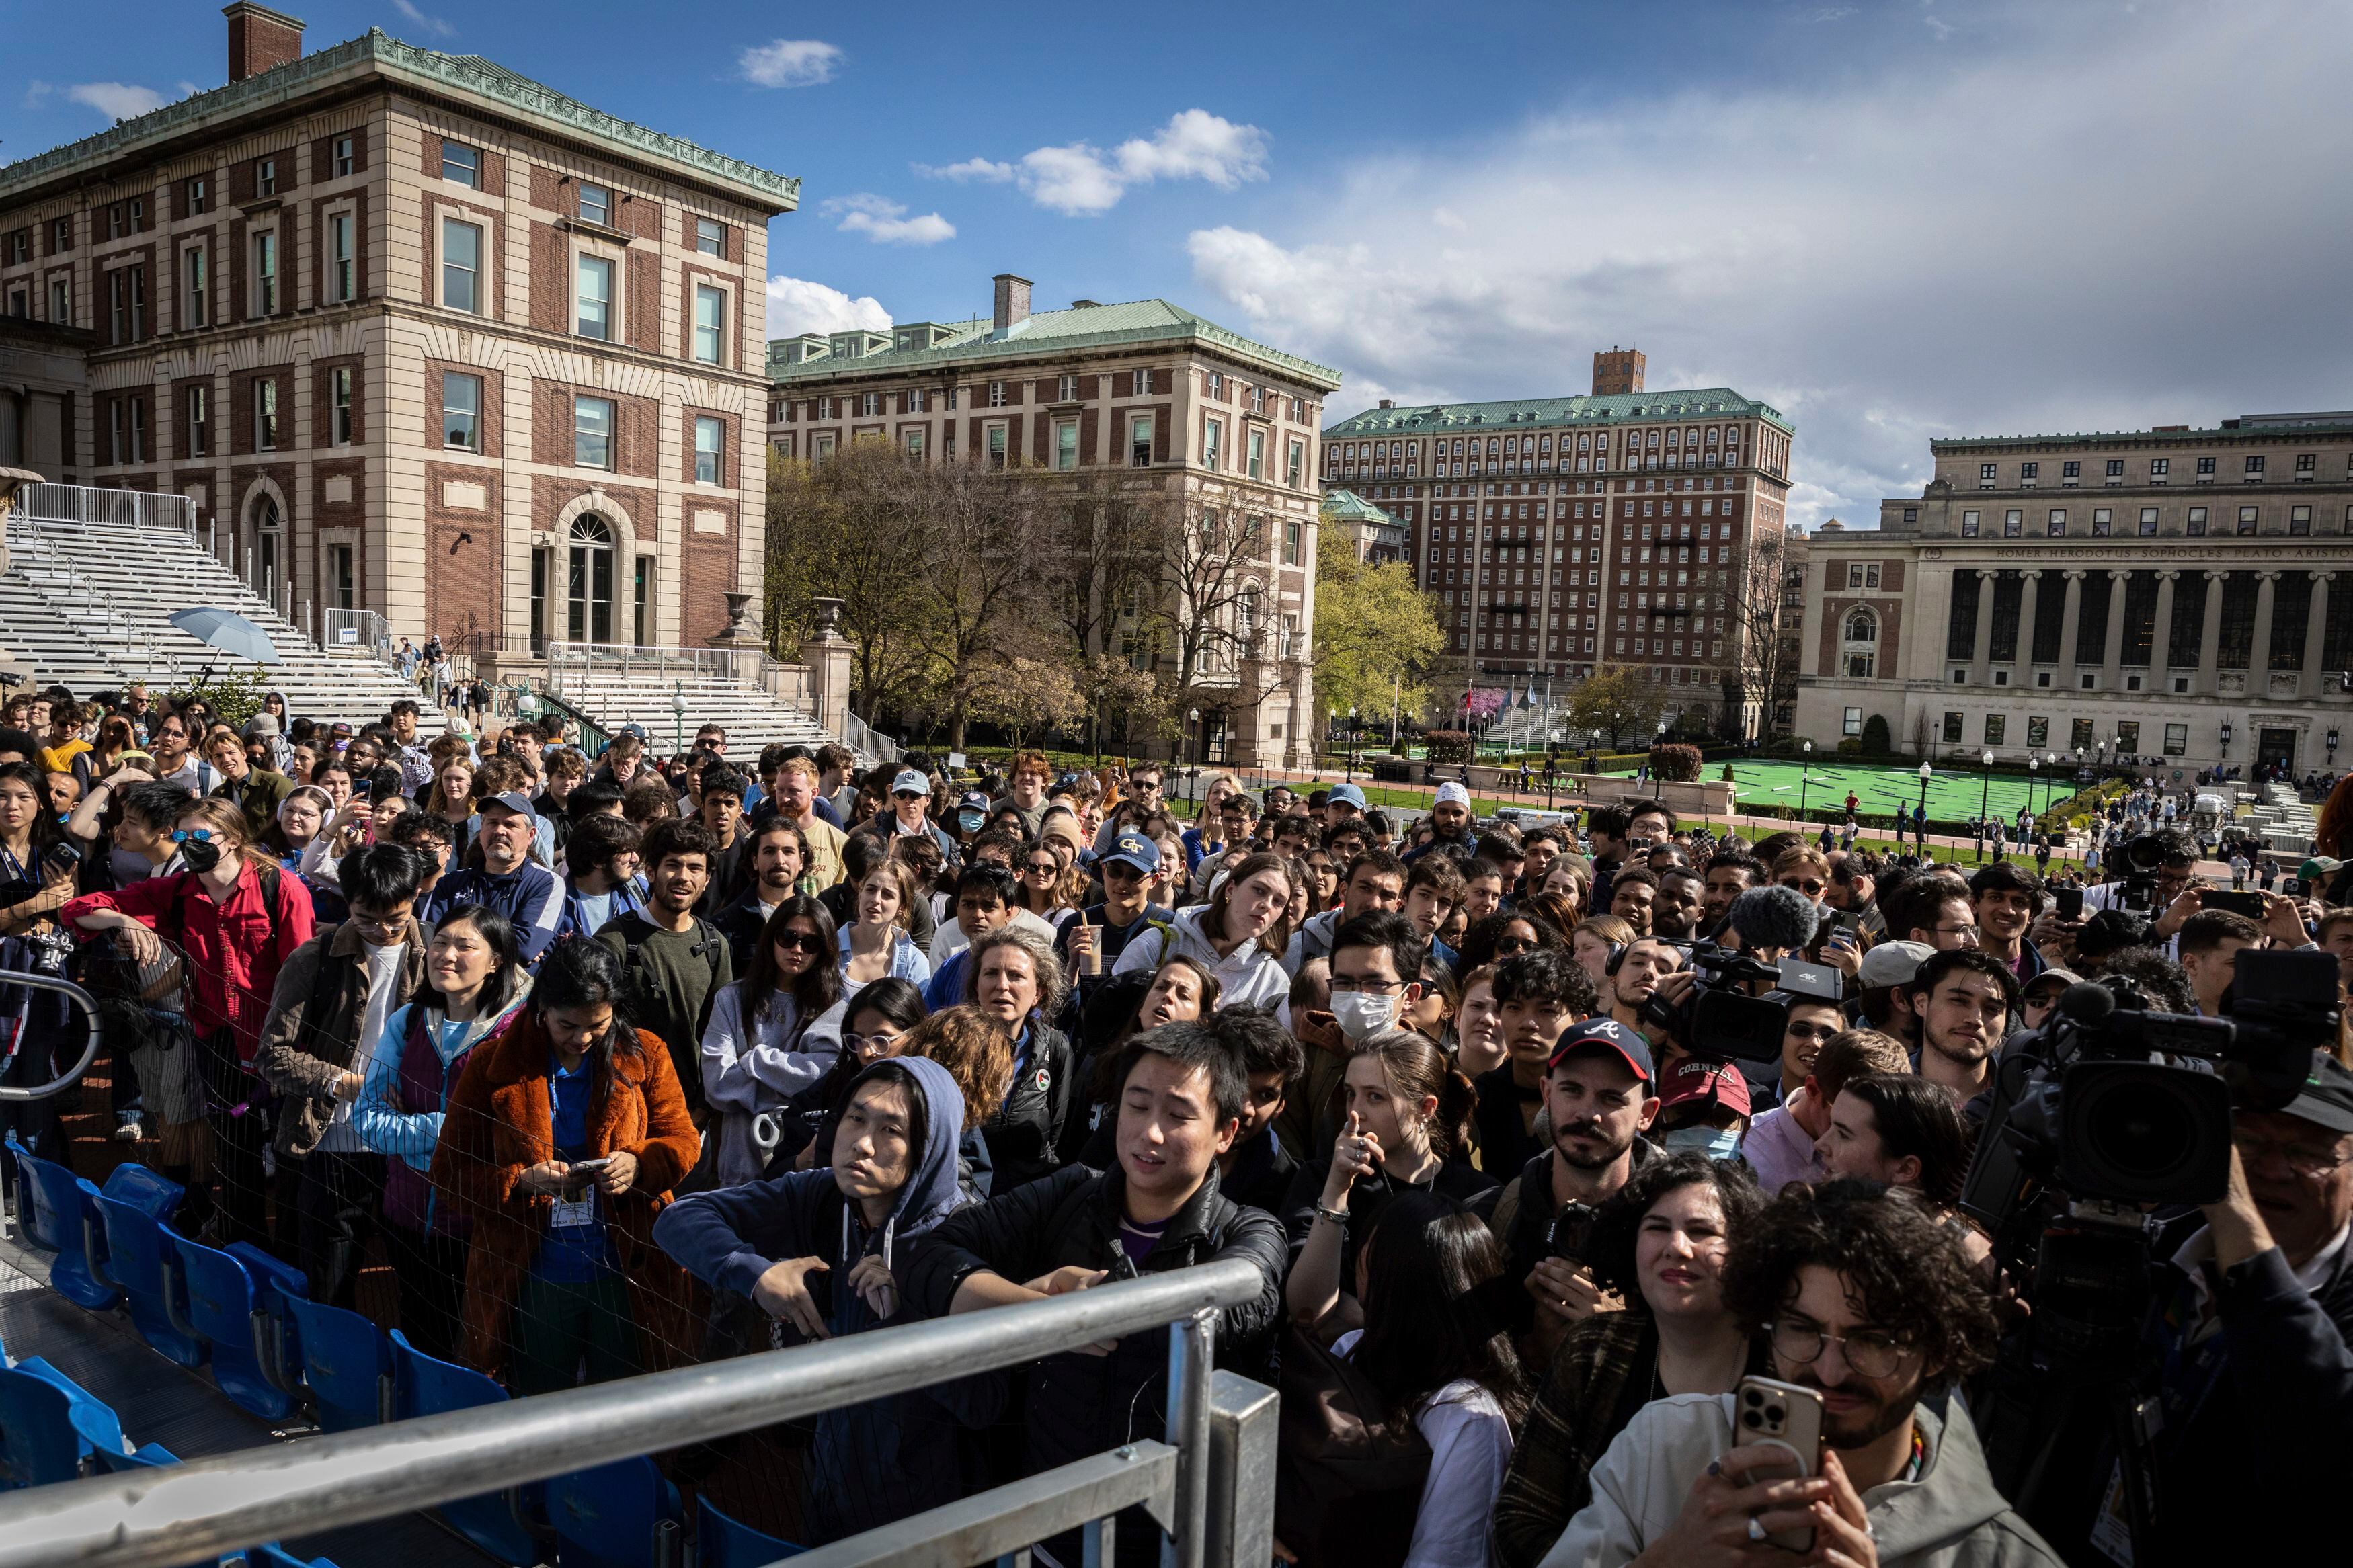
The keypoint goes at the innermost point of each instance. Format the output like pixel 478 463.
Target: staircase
pixel 93 576
pixel 672 692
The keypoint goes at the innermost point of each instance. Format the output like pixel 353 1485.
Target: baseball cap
pixel 2319 865
pixel 1607 1035
pixel 260 724
pixel 1453 794
pixel 1345 795
pixel 637 729
pixel 1134 849
pixel 2326 1101
pixel 1892 963
pixel 514 800
pixel 2054 979
pixel 1692 1080
pixel 909 781
pixel 972 800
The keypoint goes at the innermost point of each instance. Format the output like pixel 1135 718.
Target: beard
pixel 1868 1425
pixel 1613 1151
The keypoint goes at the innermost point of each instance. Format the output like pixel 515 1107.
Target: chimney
pixel 1012 300
pixel 1617 372
pixel 1388 403
pixel 260 38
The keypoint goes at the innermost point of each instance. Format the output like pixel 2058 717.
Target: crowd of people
pixel 623 1062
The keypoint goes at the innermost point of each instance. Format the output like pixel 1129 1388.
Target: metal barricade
pixel 80 998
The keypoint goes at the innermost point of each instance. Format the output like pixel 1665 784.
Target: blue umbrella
pixel 229 633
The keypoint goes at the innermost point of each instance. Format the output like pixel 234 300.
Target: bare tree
pixel 978 577
pixel 1215 608
pixel 847 529
pixel 1762 666
pixel 1109 538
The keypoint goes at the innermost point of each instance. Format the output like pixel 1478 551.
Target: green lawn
pixel 1953 795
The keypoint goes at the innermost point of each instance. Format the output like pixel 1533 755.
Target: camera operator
pixel 1634 973
pixel 2169 858
pixel 1965 1000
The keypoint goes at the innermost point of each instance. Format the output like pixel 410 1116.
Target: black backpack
pixel 1348 1474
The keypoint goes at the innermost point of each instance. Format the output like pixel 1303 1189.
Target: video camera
pixel 1719 1019
pixel 2141 858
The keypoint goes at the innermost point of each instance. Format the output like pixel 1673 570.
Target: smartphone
pixel 363 789
pixel 1771 1414
pixel 2296 888
pixel 581 1173
pixel 2071 903
pixel 2247 901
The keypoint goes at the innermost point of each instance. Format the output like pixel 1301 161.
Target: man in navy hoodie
pixel 814 1251
pixel 507 880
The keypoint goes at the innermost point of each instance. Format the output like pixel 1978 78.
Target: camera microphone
pixel 2086 1003
pixel 1774 917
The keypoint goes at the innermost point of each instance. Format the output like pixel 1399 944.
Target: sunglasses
pixel 182 834
pixel 1044 868
pixel 801 940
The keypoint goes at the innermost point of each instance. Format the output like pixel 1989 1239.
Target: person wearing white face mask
pixel 1702 1108
pixel 1376 969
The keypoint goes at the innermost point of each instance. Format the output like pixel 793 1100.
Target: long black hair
pixel 580 972
pixel 496 931
pixel 1427 1320
pixel 819 986
pixel 44 829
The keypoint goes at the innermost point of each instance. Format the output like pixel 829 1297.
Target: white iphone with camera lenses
pixel 1769 1414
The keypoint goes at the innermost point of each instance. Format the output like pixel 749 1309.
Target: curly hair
pixel 977 1052
pixel 1609 1250
pixel 1904 1271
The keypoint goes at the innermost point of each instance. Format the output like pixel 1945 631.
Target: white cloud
pixel 2018 236
pixel 789 62
pixel 979 169
pixel 885 222
pixel 797 305
pixel 35 92
pixel 117 100
pixel 1083 179
pixel 417 18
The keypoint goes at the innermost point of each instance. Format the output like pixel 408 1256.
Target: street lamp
pixel 1192 722
pixel 2226 738
pixel 1352 742
pixel 1805 778
pixel 1920 823
pixel 2332 746
pixel 2032 765
pixel 1984 802
pixel 1552 752
pixel 677 717
pixel 1658 780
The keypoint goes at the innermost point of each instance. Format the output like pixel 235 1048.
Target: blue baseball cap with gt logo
pixel 1134 849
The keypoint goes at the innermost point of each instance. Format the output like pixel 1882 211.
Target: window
pixel 195 292
pixel 1968 525
pixel 265 177
pixel 1292 535
pixel 1213 437
pixel 711 237
pixel 2299 519
pixel 61 301
pixel 200 198
pixel 344 159
pixel 1952 729
pixel 1139 440
pixel 2056 527
pixel 461 410
pixel 265 275
pixel 20 246
pixel 2028 472
pixel 2177 740
pixel 593 278
pixel 2103 522
pixel 2158 468
pixel 2196 525
pixel 1985 473
pixel 1066 390
pixel 2205 468
pixel 2014 524
pixel 710 322
pixel 2038 732
pixel 595 205
pixel 1298 469
pixel 339 405
pixel 997 394
pixel 641 599
pixel 138 429
pixel 118 306
pixel 708 435
pixel 1852 724
pixel 1140 384
pixel 1256 457
pixel 342 266
pixel 997 446
pixel 115 441
pixel 2307 464
pixel 61 236
pixel 914 443
pixel 870 404
pixel 2128 737
pixel 1217 384
pixel 461 165
pixel 461 261
pixel 2115 475
pixel 2254 468
pixel 114 221
pixel 264 415
pixel 592 432
pixel 199 406
pixel 2071 471
pixel 2246 519
pixel 1997 725
pixel 1066 445
pixel 339 577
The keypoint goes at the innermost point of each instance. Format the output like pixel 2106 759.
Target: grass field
pixel 1953 796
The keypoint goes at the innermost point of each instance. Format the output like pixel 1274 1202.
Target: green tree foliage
pixel 1376 637
pixel 1616 701
pixel 1877 742
pixel 235 697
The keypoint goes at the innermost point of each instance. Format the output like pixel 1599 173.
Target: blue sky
pixel 1893 220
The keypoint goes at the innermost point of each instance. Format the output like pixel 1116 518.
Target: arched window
pixel 589 581
pixel 1862 626
pixel 264 559
pixel 1860 652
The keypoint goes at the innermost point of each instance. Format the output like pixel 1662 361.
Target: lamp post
pixel 1805 778
pixel 1192 780
pixel 1552 767
pixel 2332 748
pixel 677 717
pixel 1920 823
pixel 2226 740
pixel 1984 802
pixel 1352 743
pixel 1658 780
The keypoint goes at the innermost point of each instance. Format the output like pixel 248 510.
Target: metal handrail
pixel 158 1518
pixel 80 998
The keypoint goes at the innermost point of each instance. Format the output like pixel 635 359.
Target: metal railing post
pixel 1244 1420
pixel 1192 1350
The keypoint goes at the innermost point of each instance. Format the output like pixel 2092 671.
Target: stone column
pixel 2209 640
pixel 2316 637
pixel 2030 591
pixel 2259 656
pixel 1981 652
pixel 2068 623
pixel 2160 638
pixel 827 656
pixel 2112 654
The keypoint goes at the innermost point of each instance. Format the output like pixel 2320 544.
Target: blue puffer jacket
pixel 883 1460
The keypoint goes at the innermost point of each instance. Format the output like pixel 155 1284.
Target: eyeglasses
pixel 1813 1031
pixel 1807 885
pixel 801 940
pixel 2304 1160
pixel 860 1045
pixel 1968 931
pixel 182 834
pixel 1507 945
pixel 1043 868
pixel 1377 988
pixel 1873 1353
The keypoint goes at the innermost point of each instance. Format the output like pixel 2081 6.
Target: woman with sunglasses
pixel 1499 936
pixel 774 1034
pixel 1041 885
pixel 234 927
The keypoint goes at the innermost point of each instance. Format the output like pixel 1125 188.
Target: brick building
pixel 1563 533
pixel 2166 595
pixel 1221 425
pixel 419 336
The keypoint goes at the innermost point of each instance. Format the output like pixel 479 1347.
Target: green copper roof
pixel 1053 332
pixel 1347 506
pixel 1616 408
pixel 2246 425
pixel 462 75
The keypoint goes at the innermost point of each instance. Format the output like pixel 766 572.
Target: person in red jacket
pixel 235 920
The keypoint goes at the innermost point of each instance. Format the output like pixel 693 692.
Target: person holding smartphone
pixel 1868 1307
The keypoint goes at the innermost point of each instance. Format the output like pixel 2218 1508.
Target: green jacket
pixel 257 794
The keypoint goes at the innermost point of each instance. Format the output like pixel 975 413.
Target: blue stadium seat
pixel 61 1215
pixel 49 1424
pixel 233 1302
pixel 345 1364
pixel 143 1256
pixel 424 1385
pixel 621 1515
pixel 721 1542
pixel 278 1557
